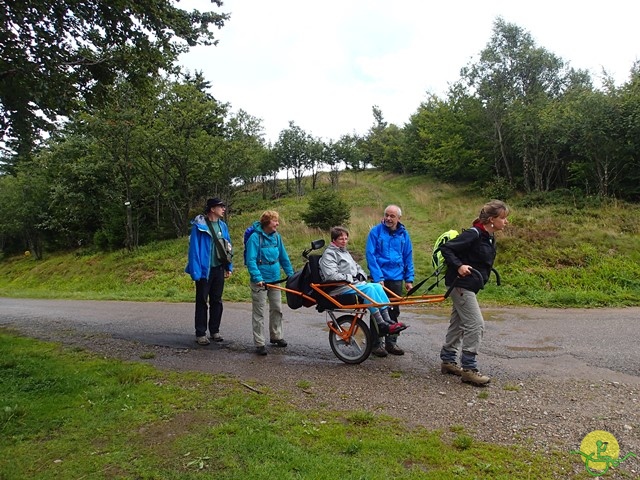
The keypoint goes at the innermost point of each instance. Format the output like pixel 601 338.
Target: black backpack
pixel 300 282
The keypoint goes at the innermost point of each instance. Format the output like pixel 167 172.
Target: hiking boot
pixel 474 377
pixel 261 350
pixel 279 343
pixel 379 351
pixel 216 337
pixel 450 368
pixel 394 349
pixel 397 328
pixel 202 340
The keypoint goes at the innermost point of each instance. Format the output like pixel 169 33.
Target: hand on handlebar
pixel 465 270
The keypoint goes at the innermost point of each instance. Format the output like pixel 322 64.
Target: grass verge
pixel 67 414
pixel 556 251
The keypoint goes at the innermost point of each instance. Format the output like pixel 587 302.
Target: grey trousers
pixel 259 297
pixel 466 328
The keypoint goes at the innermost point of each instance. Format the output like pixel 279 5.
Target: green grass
pixel 66 414
pixel 304 384
pixel 483 395
pixel 510 387
pixel 556 252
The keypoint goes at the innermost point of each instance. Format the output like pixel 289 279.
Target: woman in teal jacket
pixel 265 256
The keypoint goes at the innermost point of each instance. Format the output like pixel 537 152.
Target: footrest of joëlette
pixel 326 304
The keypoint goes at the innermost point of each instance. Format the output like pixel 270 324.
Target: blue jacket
pixel 200 243
pixel 265 255
pixel 390 254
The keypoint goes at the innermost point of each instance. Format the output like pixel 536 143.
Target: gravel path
pixel 551 384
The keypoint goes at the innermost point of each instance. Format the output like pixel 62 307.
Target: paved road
pixel 598 344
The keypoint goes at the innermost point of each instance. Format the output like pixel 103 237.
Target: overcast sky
pixel 325 64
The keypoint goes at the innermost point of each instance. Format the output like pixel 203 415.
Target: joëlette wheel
pixel 357 347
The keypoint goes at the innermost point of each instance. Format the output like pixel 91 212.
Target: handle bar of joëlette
pixel 394 299
pixel 474 272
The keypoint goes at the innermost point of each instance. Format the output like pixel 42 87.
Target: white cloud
pixel 325 64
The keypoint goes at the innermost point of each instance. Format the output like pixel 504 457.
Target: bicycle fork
pixel 341 332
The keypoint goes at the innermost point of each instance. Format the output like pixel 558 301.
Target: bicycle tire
pixel 358 348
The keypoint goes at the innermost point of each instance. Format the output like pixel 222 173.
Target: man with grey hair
pixel 390 261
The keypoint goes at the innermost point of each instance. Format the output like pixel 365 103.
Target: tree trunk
pixel 503 154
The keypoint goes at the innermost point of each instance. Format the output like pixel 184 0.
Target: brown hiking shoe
pixel 475 378
pixel 379 351
pixel 393 349
pixel 450 368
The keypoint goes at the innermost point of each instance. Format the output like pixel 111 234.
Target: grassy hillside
pixel 559 250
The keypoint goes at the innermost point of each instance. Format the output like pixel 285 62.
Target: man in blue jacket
pixel 390 262
pixel 209 265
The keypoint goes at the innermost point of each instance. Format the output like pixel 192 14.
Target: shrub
pixel 326 209
pixel 499 188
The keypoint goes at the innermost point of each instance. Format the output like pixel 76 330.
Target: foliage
pixel 520 114
pixel 58 55
pixel 118 177
pixel 516 79
pixel 498 188
pixel 560 249
pixel 133 164
pixel 373 144
pixel 245 150
pixel 182 173
pixel 602 155
pixel 23 210
pixel 326 210
pixel 443 139
pixel 293 151
pixel 348 150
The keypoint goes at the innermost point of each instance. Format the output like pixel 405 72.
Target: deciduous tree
pixel 59 55
pixel 293 151
pixel 515 79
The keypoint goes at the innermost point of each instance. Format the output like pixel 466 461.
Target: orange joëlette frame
pixel 394 299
